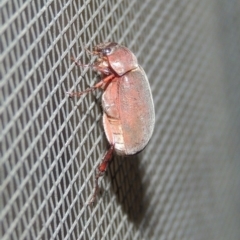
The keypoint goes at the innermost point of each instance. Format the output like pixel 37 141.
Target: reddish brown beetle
pixel 128 109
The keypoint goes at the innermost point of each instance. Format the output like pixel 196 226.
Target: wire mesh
pixel 184 185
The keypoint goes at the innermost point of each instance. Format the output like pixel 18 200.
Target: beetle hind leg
pixel 100 172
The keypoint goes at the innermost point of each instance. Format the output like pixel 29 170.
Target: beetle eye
pixel 106 51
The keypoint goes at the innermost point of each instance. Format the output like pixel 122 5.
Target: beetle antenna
pixel 90 52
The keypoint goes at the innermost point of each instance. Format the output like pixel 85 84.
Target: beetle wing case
pixel 129 115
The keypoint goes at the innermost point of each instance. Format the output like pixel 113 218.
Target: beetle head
pixel 120 59
pixel 104 49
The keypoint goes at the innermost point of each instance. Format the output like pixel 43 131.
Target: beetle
pixel 127 103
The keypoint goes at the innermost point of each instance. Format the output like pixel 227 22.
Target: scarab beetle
pixel 128 109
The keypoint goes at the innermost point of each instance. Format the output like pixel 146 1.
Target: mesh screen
pixel 184 185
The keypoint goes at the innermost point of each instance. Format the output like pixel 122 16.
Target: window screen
pixel 184 185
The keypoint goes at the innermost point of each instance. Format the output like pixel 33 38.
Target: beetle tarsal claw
pixel 69 94
pixel 95 193
pixel 72 94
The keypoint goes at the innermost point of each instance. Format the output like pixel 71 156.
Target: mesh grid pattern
pixel 184 185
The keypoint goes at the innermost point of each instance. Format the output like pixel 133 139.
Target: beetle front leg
pixel 100 84
pixel 100 172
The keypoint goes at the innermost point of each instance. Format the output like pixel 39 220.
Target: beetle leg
pixel 100 171
pixel 100 84
pixel 79 64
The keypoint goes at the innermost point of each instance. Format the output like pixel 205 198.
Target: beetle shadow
pixel 126 183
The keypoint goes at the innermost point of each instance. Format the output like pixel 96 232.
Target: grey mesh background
pixel 184 185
